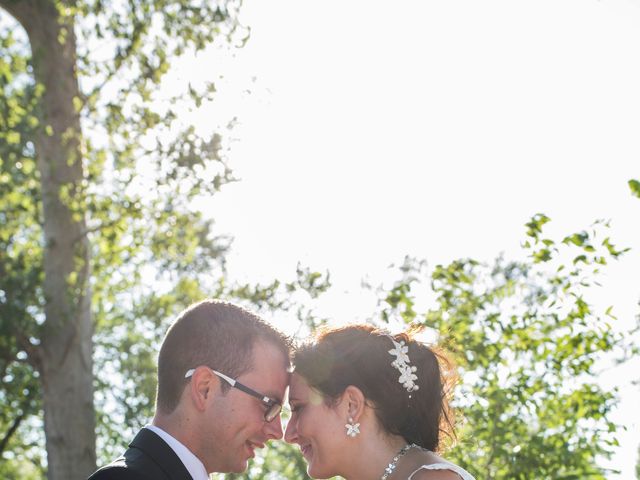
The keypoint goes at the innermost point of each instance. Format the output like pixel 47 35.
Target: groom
pixel 222 375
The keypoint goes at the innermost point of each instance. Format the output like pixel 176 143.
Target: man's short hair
pixel 217 334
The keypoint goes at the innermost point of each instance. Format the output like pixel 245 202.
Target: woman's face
pixel 317 428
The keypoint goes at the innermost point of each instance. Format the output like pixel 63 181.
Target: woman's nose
pixel 291 432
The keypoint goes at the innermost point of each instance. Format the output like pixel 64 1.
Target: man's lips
pixel 252 446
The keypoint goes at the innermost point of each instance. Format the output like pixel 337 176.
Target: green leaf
pixel 634 185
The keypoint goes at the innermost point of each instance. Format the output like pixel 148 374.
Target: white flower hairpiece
pixel 402 364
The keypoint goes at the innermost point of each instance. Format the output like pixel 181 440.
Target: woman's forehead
pixel 298 382
pixel 300 391
pixel 298 387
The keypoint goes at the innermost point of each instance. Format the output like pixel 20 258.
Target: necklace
pixel 392 466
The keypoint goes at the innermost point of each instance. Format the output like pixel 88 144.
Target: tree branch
pixel 16 423
pixel 97 228
pixel 21 10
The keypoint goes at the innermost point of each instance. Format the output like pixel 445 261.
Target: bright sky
pixel 369 130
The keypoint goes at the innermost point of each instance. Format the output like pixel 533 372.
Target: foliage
pixel 20 268
pixel 528 347
pixel 152 251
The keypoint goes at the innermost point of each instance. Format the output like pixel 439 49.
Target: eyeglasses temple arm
pixel 235 384
pixel 229 380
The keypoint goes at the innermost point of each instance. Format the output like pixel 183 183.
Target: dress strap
pixel 464 475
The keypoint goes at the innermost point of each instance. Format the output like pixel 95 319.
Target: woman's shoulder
pixel 440 471
pixel 430 474
pixel 426 465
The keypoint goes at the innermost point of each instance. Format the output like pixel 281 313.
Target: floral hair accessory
pixel 402 364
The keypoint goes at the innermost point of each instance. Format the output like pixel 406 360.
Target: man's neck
pixel 186 455
pixel 169 423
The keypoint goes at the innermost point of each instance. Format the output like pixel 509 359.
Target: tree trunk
pixel 65 360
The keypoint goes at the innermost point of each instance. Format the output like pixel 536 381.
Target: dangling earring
pixel 353 429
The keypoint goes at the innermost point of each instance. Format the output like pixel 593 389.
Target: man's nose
pixel 273 429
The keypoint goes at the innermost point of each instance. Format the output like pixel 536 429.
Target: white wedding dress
pixel 464 475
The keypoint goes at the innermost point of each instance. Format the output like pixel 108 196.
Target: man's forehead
pixel 270 373
pixel 268 354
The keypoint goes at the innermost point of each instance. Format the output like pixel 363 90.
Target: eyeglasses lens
pixel 273 412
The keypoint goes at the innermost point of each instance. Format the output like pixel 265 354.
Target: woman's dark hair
pixel 359 355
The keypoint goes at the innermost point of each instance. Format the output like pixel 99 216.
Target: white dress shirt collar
pixel 190 461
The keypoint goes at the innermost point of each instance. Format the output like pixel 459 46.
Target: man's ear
pixel 202 387
pixel 353 401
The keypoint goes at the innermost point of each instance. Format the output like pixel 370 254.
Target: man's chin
pixel 241 464
pixel 241 461
pixel 239 467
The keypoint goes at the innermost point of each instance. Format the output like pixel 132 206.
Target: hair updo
pixel 358 355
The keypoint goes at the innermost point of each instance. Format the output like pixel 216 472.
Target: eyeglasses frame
pixel 269 415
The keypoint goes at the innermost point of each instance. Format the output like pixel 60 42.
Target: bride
pixel 369 406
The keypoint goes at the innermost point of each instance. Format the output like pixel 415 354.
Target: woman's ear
pixel 354 402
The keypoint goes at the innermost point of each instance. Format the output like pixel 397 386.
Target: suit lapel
pixel 161 453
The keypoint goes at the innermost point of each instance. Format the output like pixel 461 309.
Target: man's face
pixel 236 425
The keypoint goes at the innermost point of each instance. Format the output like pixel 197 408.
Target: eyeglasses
pixel 273 406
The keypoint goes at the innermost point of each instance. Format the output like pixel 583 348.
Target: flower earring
pixel 353 429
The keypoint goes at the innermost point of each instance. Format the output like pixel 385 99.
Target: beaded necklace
pixel 394 462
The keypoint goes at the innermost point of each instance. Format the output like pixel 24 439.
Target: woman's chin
pixel 311 471
pixel 314 472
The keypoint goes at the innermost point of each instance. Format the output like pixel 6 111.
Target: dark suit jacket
pixel 147 458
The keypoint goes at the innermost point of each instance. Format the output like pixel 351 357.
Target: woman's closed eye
pixel 296 408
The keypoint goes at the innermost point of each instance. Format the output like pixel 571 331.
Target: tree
pixel 528 347
pixel 80 230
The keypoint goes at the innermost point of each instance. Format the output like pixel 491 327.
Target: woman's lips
pixel 306 450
